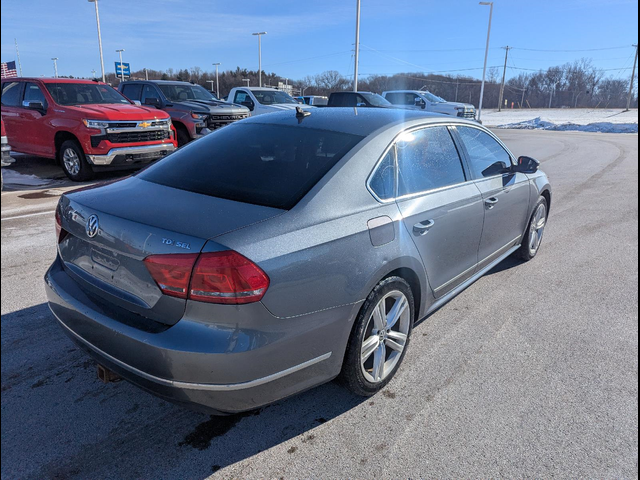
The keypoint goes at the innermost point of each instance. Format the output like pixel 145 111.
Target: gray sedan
pixel 287 250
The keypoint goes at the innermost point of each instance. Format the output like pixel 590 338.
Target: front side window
pixel 241 96
pixel 32 93
pixel 84 94
pixel 181 93
pixel 376 100
pixel 427 159
pixel 486 155
pixel 10 94
pixel 269 165
pixel 149 92
pixel 382 182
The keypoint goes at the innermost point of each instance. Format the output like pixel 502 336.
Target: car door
pixel 505 194
pixel 37 132
pixel 11 98
pixel 242 97
pixel 133 91
pixel 442 211
pixel 151 96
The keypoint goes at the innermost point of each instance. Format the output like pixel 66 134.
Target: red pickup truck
pixel 85 125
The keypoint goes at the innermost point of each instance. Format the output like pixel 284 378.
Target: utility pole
pixel 633 79
pixel 18 56
pixel 357 50
pixel 211 82
pixel 457 88
pixel 259 35
pixel 146 74
pixel 486 58
pixel 553 91
pixel 217 82
pixel 524 91
pixel 121 65
pixel 55 66
pixel 504 78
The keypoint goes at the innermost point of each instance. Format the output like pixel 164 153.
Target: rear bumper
pixel 6 153
pixel 124 155
pixel 246 360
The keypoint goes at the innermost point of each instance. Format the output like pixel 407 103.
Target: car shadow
pixel 83 428
pixel 506 264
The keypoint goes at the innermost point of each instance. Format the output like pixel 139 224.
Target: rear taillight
pixel 61 233
pixel 227 277
pixel 215 277
pixel 172 273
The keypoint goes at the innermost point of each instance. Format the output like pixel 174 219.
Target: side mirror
pixel 420 103
pixel 34 105
pixel 249 104
pixel 494 169
pixel 152 102
pixel 137 102
pixel 527 165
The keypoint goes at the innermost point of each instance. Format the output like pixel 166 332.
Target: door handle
pixel 423 227
pixel 491 202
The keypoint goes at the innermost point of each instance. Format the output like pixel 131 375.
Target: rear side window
pixel 484 152
pixel 11 94
pixel 427 159
pixel 268 165
pixel 382 182
pixel 133 91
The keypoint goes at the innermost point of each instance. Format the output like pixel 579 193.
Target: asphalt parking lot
pixel 532 372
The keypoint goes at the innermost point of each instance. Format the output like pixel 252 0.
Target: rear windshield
pixel 270 165
pixel 84 94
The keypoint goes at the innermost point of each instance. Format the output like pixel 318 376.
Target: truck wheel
pixel 74 163
pixel 183 136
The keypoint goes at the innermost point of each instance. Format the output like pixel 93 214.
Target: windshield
pixel 376 100
pixel 271 97
pixel 433 98
pixel 182 93
pixel 260 164
pixel 84 94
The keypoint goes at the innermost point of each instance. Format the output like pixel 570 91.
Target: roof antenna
pixel 301 114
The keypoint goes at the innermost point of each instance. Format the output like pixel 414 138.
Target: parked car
pixel 194 110
pixel 85 125
pixel 7 159
pixel 314 100
pixel 430 102
pixel 361 100
pixel 262 99
pixel 233 280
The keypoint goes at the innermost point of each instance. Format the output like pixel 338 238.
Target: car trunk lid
pixel 111 230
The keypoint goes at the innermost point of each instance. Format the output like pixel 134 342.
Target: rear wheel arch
pixel 411 277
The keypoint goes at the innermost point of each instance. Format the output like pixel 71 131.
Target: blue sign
pixel 123 69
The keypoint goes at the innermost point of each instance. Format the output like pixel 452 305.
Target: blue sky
pixel 306 38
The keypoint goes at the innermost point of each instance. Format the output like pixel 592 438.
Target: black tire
pixel 352 375
pixel 182 135
pixel 526 252
pixel 77 169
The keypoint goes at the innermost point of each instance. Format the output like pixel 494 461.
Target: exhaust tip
pixel 107 376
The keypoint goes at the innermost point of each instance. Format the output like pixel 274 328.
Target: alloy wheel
pixel 385 337
pixel 71 161
pixel 538 222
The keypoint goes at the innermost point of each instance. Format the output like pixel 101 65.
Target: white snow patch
pixel 11 177
pixel 565 119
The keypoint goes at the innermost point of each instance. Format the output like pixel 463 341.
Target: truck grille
pixel 134 137
pixel 470 114
pixel 217 121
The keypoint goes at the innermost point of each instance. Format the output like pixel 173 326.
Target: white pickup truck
pixel 430 102
pixel 261 100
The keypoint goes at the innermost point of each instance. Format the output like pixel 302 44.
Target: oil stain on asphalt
pixel 216 426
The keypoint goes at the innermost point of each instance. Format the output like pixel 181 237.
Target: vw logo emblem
pixel 92 227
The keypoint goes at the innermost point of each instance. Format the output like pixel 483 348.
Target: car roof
pixel 57 80
pixel 355 121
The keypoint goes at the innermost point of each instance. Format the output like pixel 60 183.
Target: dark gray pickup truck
pixel 194 110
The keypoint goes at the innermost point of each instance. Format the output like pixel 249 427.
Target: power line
pixel 571 51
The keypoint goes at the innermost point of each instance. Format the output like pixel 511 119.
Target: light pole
pixel 486 58
pixel 121 65
pixel 211 82
pixel 55 66
pixel 259 35
pixel 633 79
pixel 217 82
pixel 248 80
pixel 357 49
pixel 95 2
pixel 93 73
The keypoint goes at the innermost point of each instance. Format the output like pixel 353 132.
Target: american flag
pixel 9 70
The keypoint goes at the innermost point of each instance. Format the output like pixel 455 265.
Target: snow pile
pixel 11 177
pixel 600 127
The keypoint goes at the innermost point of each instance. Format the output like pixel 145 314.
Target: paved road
pixel 532 372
